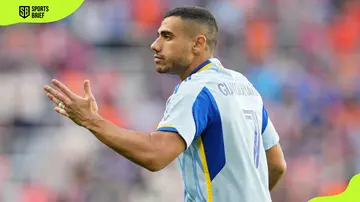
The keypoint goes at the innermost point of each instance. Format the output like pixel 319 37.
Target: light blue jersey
pixel 224 123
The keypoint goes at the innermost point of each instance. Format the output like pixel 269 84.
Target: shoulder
pixel 189 93
pixel 184 96
pixel 189 87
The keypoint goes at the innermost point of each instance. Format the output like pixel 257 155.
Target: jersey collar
pixel 201 67
pixel 205 65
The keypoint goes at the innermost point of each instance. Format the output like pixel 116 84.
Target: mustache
pixel 159 56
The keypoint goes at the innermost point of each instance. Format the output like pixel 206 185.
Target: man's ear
pixel 200 44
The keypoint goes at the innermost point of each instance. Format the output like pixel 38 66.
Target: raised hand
pixel 79 109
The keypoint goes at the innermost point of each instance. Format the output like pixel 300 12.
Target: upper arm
pixel 275 158
pixel 186 117
pixel 276 165
pixel 178 117
pixel 274 154
pixel 187 113
pixel 168 146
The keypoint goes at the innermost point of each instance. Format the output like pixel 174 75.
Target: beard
pixel 172 65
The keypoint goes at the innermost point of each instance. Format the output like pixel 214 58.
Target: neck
pixel 196 62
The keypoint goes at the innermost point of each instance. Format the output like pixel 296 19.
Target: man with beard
pixel 215 122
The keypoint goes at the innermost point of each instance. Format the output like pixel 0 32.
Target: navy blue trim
pixel 265 118
pixel 200 66
pixel 167 129
pixel 208 125
pixel 201 112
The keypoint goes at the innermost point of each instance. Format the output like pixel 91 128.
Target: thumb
pixel 87 89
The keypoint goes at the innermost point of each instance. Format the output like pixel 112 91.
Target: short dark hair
pixel 201 16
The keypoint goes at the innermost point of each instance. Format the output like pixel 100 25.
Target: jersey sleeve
pixel 269 135
pixel 178 117
pixel 187 114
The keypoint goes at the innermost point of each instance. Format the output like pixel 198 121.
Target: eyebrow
pixel 164 32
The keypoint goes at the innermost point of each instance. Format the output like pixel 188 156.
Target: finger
pixel 87 89
pixel 64 89
pixel 56 94
pixel 61 111
pixel 52 98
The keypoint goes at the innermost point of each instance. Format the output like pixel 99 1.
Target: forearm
pixel 274 178
pixel 135 146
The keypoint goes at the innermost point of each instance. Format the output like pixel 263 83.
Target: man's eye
pixel 167 36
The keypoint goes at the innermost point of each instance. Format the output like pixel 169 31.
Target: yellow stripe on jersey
pixel 165 125
pixel 206 170
pixel 205 67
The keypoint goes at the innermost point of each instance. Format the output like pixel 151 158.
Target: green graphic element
pixel 351 194
pixel 36 11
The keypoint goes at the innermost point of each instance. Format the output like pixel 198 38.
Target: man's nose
pixel 156 45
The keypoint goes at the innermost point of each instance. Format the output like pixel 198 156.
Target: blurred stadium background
pixel 302 55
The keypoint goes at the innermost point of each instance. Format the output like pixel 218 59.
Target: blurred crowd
pixel 303 56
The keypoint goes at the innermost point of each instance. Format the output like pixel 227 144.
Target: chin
pixel 162 69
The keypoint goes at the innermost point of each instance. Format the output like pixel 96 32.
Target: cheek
pixel 176 47
pixel 185 53
pixel 187 47
pixel 172 47
pixel 176 51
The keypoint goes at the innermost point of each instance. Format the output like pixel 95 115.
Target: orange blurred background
pixel 302 56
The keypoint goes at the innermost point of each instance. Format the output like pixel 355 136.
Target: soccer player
pixel 215 122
